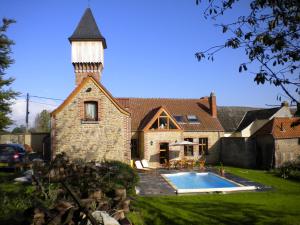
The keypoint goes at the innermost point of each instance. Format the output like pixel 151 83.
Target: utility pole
pixel 27 111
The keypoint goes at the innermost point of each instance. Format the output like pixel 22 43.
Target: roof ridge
pixel 162 98
pixel 265 109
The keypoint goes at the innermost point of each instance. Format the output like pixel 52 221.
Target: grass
pixel 279 206
pixel 14 198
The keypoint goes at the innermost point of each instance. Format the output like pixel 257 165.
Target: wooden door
pixel 163 152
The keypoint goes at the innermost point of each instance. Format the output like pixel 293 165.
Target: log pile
pixel 74 193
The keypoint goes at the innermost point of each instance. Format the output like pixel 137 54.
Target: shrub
pixel 289 170
pixel 14 199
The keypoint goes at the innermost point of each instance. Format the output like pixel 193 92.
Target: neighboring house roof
pixel 143 109
pixel 80 86
pixel 87 29
pixel 231 116
pixel 281 128
pixel 261 114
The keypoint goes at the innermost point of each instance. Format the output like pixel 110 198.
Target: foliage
pixel 269 34
pixel 281 205
pixel 42 122
pixel 289 170
pixel 14 199
pixel 121 175
pixel 18 130
pixel 6 94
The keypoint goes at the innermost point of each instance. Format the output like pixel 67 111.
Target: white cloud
pixel 35 106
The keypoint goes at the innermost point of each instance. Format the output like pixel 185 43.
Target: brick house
pixel 157 122
pixel 90 124
pixel 93 125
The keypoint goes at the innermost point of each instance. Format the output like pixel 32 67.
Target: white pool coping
pixel 201 190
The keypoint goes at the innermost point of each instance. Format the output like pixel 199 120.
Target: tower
pixel 88 46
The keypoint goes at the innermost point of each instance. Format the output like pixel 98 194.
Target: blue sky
pixel 151 47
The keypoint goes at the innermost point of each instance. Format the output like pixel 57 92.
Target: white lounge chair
pixel 139 166
pixel 145 164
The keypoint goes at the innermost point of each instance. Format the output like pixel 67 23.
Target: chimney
pixel 284 104
pixel 213 105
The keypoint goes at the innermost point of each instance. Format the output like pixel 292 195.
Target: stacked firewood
pixel 77 193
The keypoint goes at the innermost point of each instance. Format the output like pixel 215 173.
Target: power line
pixel 56 99
pixel 48 98
pixel 42 103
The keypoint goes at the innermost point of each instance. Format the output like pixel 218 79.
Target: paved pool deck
pixel 153 184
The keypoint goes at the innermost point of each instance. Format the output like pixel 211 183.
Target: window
pixel 203 146
pixel 179 119
pixel 163 122
pixel 134 149
pixel 192 119
pixel 90 111
pixel 188 149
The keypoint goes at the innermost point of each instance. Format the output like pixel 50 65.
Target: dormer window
pixel 91 111
pixel 162 121
pixel 192 119
pixel 179 119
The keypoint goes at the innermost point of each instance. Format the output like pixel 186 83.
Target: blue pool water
pixel 190 180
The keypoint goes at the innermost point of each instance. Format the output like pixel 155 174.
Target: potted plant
pixel 222 170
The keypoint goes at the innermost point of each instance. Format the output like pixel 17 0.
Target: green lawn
pixel 14 199
pixel 279 206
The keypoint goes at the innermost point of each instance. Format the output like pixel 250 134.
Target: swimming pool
pixel 189 182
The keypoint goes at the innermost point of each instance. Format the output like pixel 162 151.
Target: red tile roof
pixel 143 109
pixel 281 128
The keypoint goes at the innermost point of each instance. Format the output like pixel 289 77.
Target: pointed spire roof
pixel 87 29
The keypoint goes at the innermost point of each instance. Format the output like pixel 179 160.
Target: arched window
pixel 91 111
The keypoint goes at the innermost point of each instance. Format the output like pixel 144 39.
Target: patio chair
pixel 183 163
pixel 145 164
pixel 166 164
pixel 202 164
pixel 139 166
pixel 190 163
pixel 174 163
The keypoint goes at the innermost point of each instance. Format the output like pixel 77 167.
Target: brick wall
pixel 108 138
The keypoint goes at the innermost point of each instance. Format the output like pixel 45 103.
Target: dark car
pixel 12 155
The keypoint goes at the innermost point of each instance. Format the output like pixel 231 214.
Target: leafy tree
pixel 269 34
pixel 6 93
pixel 20 129
pixel 42 121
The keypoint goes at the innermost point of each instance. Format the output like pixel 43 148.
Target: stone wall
pixel 286 150
pixel 108 138
pixel 265 151
pixel 238 151
pixel 214 146
pixel 149 145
